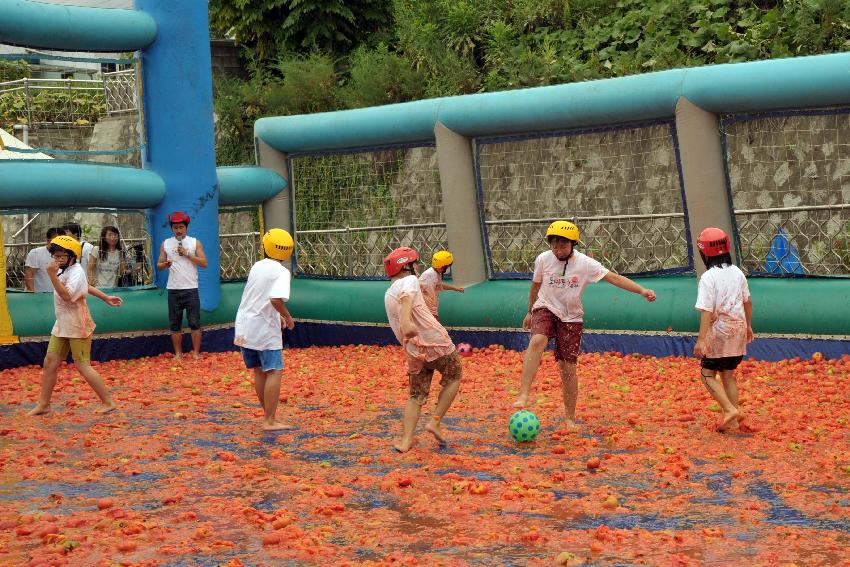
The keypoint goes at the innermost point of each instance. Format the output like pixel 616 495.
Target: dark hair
pixel 54 248
pixel 53 232
pixel 73 228
pixel 716 261
pixel 554 236
pixel 103 253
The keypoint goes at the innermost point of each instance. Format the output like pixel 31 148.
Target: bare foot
pixel 178 355
pixel 196 356
pixel 730 419
pixel 521 401
pixel 570 426
pixel 105 408
pixel 434 429
pixel 277 426
pixel 39 410
pixel 403 446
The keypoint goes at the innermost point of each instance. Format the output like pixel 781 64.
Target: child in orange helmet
pixel 426 344
pixel 726 312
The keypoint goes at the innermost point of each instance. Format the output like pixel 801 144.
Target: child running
pixel 431 281
pixel 725 328
pixel 261 315
pixel 426 344
pixel 555 310
pixel 74 324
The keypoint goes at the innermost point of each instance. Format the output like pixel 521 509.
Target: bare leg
pixel 177 343
pixel 530 364
pixel 715 388
pixel 260 386
pixel 48 382
pixel 267 386
pixel 196 344
pixel 730 386
pixel 411 416
pixel 569 391
pixel 444 402
pixel 98 385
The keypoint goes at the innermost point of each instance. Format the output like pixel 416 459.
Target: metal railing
pixel 238 253
pixel 627 244
pixel 804 240
pixel 360 252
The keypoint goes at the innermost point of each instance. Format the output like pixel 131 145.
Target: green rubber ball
pixel 524 426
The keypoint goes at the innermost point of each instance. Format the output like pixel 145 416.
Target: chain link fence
pixel 621 186
pixel 789 176
pixel 120 92
pixel 353 208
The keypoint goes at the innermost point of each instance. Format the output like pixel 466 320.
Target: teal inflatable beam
pixel 74 184
pixel 74 28
pixel 247 185
pixel 800 82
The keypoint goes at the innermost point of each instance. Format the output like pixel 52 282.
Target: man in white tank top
pixel 182 255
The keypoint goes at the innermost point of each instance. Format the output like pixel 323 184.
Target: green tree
pixel 269 27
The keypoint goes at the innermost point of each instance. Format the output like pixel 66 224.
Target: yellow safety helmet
pixel 442 259
pixel 564 229
pixel 278 244
pixel 68 243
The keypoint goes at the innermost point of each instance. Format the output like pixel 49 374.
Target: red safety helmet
pixel 713 242
pixel 398 259
pixel 178 217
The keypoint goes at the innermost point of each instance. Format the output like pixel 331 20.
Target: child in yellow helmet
pixel 260 318
pixel 431 281
pixel 74 326
pixel 555 309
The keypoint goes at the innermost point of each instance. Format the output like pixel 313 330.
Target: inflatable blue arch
pixel 794 316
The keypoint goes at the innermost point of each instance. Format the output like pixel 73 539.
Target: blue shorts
pixel 265 359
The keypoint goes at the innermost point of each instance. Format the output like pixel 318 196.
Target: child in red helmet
pixel 726 313
pixel 426 344
pixel 182 255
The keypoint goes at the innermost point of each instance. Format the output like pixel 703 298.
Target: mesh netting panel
pixel 351 209
pixel 790 182
pixel 621 186
pixel 26 231
pixel 240 242
pixel 93 118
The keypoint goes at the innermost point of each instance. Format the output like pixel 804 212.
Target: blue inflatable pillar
pixel 178 107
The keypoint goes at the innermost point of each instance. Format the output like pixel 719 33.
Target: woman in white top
pixel 108 260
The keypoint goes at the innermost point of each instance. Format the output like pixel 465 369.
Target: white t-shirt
pixel 562 283
pixel 722 292
pixel 431 283
pixel 38 259
pixel 257 321
pixel 85 254
pixel 431 340
pixel 106 271
pixel 182 274
pixel 73 319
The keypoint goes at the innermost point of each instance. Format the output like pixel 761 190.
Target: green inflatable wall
pixel 780 306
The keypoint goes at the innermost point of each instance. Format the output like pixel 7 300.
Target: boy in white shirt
pixel 182 255
pixel 74 325
pixel 726 314
pixel 432 284
pixel 36 277
pixel 555 310
pixel 261 315
pixel 426 344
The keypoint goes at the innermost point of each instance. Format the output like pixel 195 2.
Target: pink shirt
pixel 431 340
pixel 723 292
pixel 431 282
pixel 73 319
pixel 562 283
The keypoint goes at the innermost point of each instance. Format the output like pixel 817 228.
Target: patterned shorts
pixel 449 368
pixel 567 335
